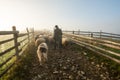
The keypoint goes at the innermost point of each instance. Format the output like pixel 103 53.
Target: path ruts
pixel 71 64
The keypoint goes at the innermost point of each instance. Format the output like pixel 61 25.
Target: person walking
pixel 57 37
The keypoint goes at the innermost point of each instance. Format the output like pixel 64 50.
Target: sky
pixel 84 15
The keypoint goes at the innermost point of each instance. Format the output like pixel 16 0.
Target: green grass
pixel 5 46
pixel 4 57
pixel 20 70
pixel 113 67
pixel 102 46
pixel 109 48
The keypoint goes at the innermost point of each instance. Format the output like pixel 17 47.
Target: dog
pixel 42 53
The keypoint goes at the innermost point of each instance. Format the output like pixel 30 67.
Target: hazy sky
pixel 92 15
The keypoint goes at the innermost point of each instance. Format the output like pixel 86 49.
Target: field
pixel 73 63
pixel 76 61
pixel 9 58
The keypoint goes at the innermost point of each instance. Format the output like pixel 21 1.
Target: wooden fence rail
pixel 17 44
pixel 105 47
pixel 96 34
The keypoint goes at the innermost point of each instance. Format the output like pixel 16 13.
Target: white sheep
pixel 39 41
pixel 51 41
pixel 66 41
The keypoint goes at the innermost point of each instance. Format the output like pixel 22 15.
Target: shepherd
pixel 57 37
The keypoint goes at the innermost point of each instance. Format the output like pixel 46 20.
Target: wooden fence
pixel 19 47
pixel 106 45
pixel 96 34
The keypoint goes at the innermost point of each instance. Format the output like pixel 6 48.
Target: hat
pixel 56 26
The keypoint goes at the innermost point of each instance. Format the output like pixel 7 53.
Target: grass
pixel 20 70
pixel 113 67
pixel 111 49
pixel 103 47
pixel 4 57
pixel 5 46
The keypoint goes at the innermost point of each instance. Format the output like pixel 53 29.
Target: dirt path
pixel 68 65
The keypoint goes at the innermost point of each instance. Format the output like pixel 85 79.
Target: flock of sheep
pixel 44 42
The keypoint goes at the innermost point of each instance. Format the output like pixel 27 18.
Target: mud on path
pixel 71 64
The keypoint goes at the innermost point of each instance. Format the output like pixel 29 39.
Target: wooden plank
pixel 16 42
pixel 30 32
pixel 8 32
pixel 110 33
pixel 9 49
pixel 98 34
pixel 22 50
pixel 106 33
pixel 7 60
pixel 28 35
pixel 24 45
pixel 22 34
pixel 84 34
pixel 107 56
pixel 94 39
pixel 111 46
pixel 23 40
pixel 104 50
pixel 67 31
pixel 110 36
pixel 2 42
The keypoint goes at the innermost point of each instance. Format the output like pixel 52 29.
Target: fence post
pixel 100 33
pixel 79 32
pixel 91 34
pixel 16 42
pixel 28 35
pixel 73 31
pixel 33 33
